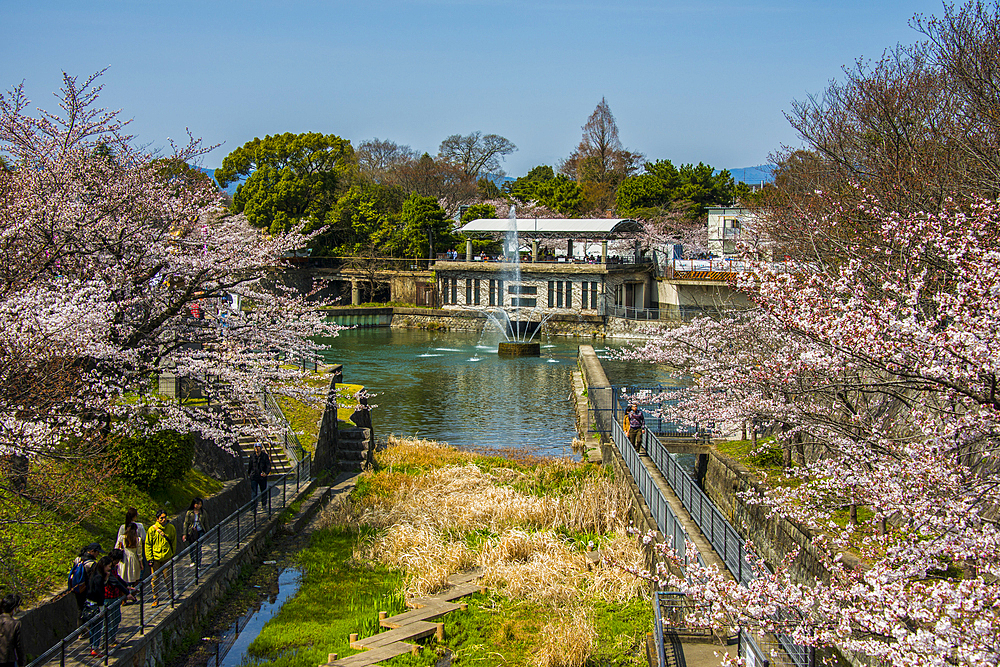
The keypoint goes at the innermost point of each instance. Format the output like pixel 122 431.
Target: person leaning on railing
pixel 161 545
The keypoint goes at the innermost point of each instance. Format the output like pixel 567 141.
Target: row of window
pixel 560 294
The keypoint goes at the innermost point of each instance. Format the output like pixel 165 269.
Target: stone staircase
pixel 354 448
pixel 251 416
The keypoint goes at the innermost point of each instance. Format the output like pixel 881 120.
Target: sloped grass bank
pixel 428 511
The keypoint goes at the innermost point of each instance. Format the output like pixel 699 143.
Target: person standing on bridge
pixel 636 425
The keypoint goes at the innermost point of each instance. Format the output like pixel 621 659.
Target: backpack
pixel 78 577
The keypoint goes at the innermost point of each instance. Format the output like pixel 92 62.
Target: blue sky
pixel 687 81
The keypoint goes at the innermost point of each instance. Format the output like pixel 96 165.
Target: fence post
pixel 105 633
pixel 237 529
pixel 284 502
pixel 142 606
pixel 172 593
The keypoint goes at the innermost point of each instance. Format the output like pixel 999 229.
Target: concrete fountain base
pixel 510 348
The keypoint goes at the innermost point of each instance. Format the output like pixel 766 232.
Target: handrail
pixel 293 448
pixel 713 524
pixel 117 622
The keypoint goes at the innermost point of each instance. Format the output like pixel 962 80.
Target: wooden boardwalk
pixel 410 625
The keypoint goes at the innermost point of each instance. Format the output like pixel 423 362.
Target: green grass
pixel 338 596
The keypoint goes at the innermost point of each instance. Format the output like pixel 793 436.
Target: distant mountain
pixel 762 173
pixel 229 189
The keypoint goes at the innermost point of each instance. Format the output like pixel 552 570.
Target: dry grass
pixel 423 454
pixel 426 521
pixel 567 641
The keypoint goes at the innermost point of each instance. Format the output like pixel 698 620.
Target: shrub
pixel 151 461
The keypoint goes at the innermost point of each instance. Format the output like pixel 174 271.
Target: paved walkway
pixel 410 625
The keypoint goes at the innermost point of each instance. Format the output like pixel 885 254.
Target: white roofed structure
pixel 547 228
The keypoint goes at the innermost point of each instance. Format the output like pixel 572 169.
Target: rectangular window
pixel 468 291
pixel 593 295
pixel 454 290
pixel 559 294
pixel 493 292
pixel 444 291
pixel 583 294
pixel 500 293
pixel 569 294
pixel 552 294
pixel 475 292
pixel 522 289
pixel 522 302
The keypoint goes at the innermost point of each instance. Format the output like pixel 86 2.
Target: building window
pixel 522 302
pixel 493 292
pixel 468 291
pixel 454 290
pixel 593 295
pixel 560 292
pixel 475 291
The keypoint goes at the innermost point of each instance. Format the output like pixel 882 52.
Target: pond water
pixel 453 387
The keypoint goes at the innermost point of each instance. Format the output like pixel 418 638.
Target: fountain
pixel 519 332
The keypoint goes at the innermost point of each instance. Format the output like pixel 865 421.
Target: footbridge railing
pixel 115 623
pixel 713 524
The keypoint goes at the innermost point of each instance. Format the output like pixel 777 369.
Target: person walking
pixel 636 425
pixel 11 641
pixel 195 525
pixel 83 564
pixel 130 568
pixel 95 594
pixel 161 545
pixel 258 468
pixel 116 592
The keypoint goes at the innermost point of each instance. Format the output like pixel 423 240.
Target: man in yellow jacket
pixel 161 545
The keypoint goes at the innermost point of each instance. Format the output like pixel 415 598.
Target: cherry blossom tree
pixel 117 265
pixel 882 371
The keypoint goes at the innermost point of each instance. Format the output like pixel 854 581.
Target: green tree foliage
pixel 479 211
pixel 663 188
pixel 555 191
pixel 422 229
pixel 290 178
pixel 357 216
pixel 151 461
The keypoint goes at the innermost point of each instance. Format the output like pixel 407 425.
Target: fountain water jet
pixel 519 331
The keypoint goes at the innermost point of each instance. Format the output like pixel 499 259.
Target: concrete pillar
pixel 468 250
pixel 569 250
pixel 355 293
pixel 604 252
pixel 534 250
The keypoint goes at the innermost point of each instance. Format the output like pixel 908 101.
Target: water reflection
pixel 452 386
pixel 232 648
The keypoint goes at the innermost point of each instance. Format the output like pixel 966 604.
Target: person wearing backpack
pixel 161 545
pixel 258 467
pixel 79 574
pixel 11 640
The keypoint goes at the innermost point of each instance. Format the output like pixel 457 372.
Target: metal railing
pixel 290 441
pixel 649 399
pixel 117 622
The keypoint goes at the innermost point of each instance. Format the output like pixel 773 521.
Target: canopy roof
pixel 567 228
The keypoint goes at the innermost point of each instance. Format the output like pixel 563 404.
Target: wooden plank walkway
pixel 409 625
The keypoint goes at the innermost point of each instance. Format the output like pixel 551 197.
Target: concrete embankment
pixel 445 319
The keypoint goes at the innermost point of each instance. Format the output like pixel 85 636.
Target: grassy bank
pixel 428 511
